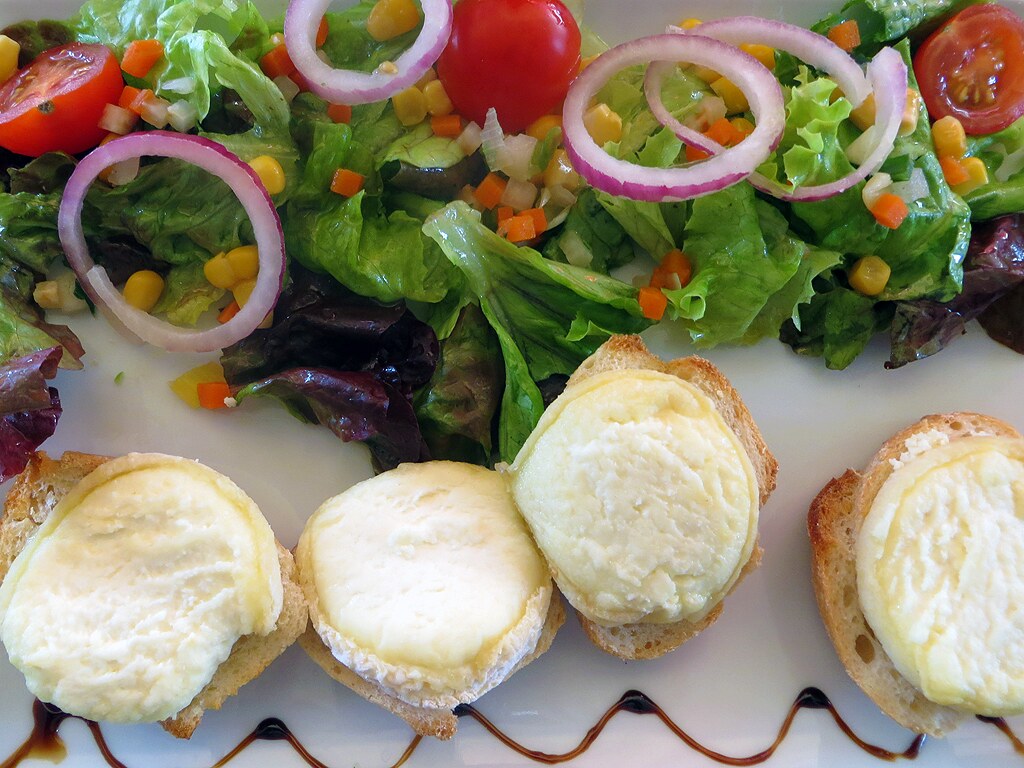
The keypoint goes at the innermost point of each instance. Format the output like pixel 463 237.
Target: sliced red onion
pixel 346 86
pixel 887 74
pixel 653 79
pixel 251 193
pixel 620 177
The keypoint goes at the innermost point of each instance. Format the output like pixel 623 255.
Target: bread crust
pixel 649 641
pixel 425 721
pixel 35 493
pixel 833 524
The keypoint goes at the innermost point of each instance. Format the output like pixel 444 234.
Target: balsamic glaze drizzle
pixel 44 741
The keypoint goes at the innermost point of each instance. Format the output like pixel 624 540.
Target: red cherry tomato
pixel 972 68
pixel 517 56
pixel 55 103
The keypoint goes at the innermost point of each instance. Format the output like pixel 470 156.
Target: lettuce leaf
pixel 548 316
pixel 29 409
pixel 883 21
pixel 1003 155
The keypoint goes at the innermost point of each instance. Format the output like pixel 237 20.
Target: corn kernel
pixel 270 172
pixel 603 124
pixel 977 173
pixel 542 126
pixel 869 275
pixel 429 76
pixel 560 172
pixel 438 103
pixel 742 125
pixel 949 137
pixel 143 289
pixel 690 23
pixel 9 51
pixel 185 386
pixel 706 74
pixel 908 123
pixel 243 290
pixel 734 98
pixel 391 18
pixel 244 261
pixel 219 272
pixel 47 294
pixel 863 115
pixel 763 53
pixel 410 106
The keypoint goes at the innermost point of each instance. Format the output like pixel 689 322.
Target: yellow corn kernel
pixel 863 115
pixel 391 18
pixel 9 51
pixel 270 172
pixel 734 98
pixel 185 386
pixel 742 125
pixel 542 126
pixel 560 173
pixel 244 261
pixel 763 53
pixel 428 76
pixel 603 124
pixel 690 23
pixel 704 73
pixel 869 275
pixel 410 106
pixel 437 99
pixel 908 123
pixel 219 272
pixel 243 290
pixel 977 173
pixel 949 137
pixel 47 294
pixel 143 289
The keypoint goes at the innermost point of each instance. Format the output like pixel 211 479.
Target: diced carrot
pixel 678 263
pixel 953 169
pixel 724 132
pixel 846 35
pixel 540 220
pixel 449 126
pixel 212 394
pixel 519 229
pixel 347 183
pixel 693 154
pixel 488 193
pixel 228 312
pixel 321 33
pixel 653 303
pixel 128 97
pixel 140 56
pixel 339 113
pixel 890 210
pixel 300 81
pixel 277 63
pixel 505 212
pixel 142 99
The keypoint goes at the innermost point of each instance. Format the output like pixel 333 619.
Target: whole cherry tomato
pixel 972 68
pixel 518 56
pixel 55 103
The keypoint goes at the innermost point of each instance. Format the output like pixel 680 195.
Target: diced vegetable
pixel 270 172
pixel 603 124
pixel 140 56
pixel 845 34
pixel 488 193
pixel 143 289
pixel 653 302
pixel 347 182
pixel 391 18
pixel 890 210
pixel 869 275
pixel 410 106
pixel 213 394
pixel 9 51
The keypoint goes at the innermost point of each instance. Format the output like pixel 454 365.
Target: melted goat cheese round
pixel 425 581
pixel 135 588
pixel 640 496
pixel 940 573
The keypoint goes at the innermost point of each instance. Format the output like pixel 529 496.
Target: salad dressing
pixel 45 743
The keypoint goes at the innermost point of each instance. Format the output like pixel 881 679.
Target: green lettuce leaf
pixel 883 21
pixel 1003 155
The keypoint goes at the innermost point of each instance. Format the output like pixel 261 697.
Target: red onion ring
pixel 653 79
pixel 619 177
pixel 346 86
pixel 250 191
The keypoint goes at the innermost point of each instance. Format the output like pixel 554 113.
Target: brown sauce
pixel 44 742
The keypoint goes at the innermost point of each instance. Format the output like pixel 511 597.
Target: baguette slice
pixel 440 723
pixel 648 641
pixel 833 524
pixel 45 482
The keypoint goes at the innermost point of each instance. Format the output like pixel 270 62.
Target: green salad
pixel 447 265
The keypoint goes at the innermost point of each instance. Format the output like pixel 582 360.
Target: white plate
pixel 730 688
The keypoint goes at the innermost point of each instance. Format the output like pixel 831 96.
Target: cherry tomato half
pixel 517 56
pixel 972 68
pixel 55 103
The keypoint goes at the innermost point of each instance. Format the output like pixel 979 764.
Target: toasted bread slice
pixel 440 723
pixel 833 524
pixel 648 641
pixel 45 482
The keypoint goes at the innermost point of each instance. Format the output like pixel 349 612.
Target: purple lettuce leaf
pixel 29 409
